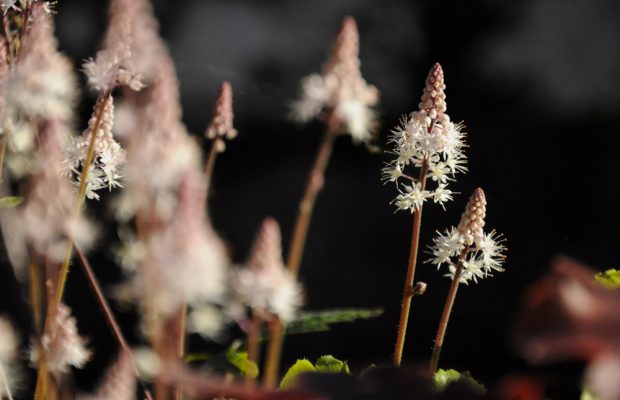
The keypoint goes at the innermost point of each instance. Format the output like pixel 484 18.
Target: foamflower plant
pixel 430 142
pixel 470 254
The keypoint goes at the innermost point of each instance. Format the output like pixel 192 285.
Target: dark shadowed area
pixel 537 84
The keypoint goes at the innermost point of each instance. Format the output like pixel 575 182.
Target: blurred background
pixel 536 83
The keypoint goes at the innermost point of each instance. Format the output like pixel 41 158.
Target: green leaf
pixel 10 201
pixel 443 378
pixel 331 364
pixel 609 278
pixel 196 357
pixel 241 360
pixel 301 366
pixel 586 394
pixel 320 321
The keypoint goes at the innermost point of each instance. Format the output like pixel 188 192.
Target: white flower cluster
pixel 484 257
pixel 341 89
pixel 105 171
pixel 467 247
pixel 430 141
pixel 8 357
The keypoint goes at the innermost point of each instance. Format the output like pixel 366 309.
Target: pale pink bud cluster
pixel 105 170
pixel 426 139
pixel 433 100
pixel 341 90
pixel 112 66
pixel 479 253
pixel 43 83
pixel 118 382
pixel 8 357
pixel 265 285
pixel 472 219
pixel 62 345
pixel 221 126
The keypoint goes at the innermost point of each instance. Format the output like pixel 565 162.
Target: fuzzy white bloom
pixel 478 253
pixel 8 356
pixel 427 139
pixel 341 90
pixel 109 157
pixel 62 345
pixel 265 285
pixel 412 197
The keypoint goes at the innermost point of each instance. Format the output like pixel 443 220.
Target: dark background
pixel 537 85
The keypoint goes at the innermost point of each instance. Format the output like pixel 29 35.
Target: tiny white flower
pixel 442 195
pixel 392 172
pixel 412 198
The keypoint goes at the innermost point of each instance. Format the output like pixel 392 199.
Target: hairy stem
pixel 296 249
pixel 447 309
pixel 4 138
pixel 409 280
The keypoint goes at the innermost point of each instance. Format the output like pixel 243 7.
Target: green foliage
pixel 240 360
pixel 444 377
pixel 325 364
pixel 321 321
pixel 299 367
pixel 586 394
pixel 330 364
pixel 10 201
pixel 609 278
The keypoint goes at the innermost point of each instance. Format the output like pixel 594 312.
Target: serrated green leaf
pixel 609 278
pixel 240 359
pixel 331 364
pixel 300 366
pixel 10 201
pixel 321 321
pixel 443 378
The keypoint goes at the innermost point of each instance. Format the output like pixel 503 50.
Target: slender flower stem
pixel 4 138
pixel 409 280
pixel 254 339
pixel 35 288
pixel 296 249
pixel 42 375
pixel 90 156
pixel 9 40
pixel 210 164
pixel 447 309
pixel 107 310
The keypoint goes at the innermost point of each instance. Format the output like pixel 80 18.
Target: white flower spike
pixel 430 141
pixel 479 253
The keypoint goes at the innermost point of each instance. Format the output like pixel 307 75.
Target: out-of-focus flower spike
pixel 472 220
pixel 43 84
pixel 267 249
pixel 62 344
pixel 119 381
pixel 265 285
pixel 341 89
pixel 113 66
pixel 221 126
